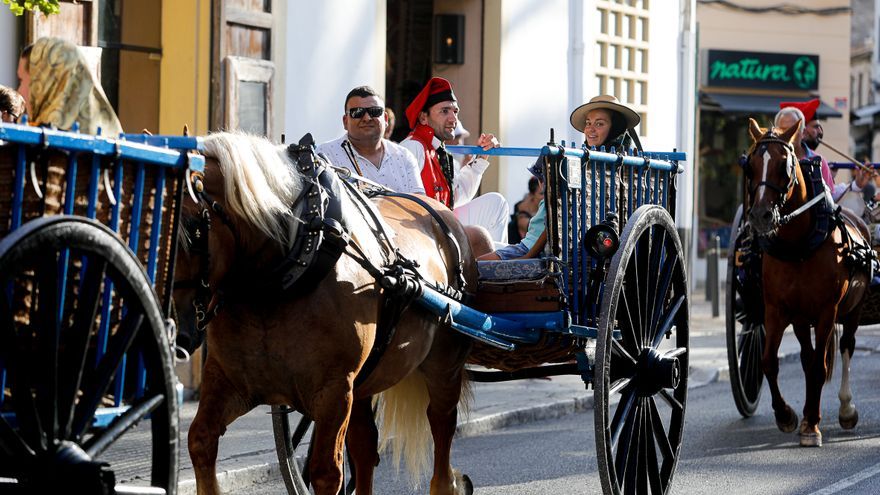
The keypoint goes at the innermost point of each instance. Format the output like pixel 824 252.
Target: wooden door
pixel 243 71
pixel 76 21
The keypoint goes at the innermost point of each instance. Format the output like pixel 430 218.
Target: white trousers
pixel 489 210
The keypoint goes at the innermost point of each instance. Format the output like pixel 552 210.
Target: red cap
pixel 807 107
pixel 437 90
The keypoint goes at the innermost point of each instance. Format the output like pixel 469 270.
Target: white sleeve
pixel 840 189
pixel 414 175
pixel 467 180
pixel 417 150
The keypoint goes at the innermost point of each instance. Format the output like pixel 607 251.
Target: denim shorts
pixel 512 251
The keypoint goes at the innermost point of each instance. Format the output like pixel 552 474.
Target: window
pixel 249 95
pixel 622 53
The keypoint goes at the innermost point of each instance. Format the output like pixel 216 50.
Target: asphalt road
pixel 722 452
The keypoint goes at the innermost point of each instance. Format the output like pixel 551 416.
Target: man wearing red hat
pixel 808 139
pixel 433 116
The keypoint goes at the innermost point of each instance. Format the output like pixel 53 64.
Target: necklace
pixel 381 158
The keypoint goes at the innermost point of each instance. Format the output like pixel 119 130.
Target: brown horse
pixel 802 287
pixel 306 350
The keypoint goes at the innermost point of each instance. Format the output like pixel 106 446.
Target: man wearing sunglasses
pixel 363 148
pixel 433 117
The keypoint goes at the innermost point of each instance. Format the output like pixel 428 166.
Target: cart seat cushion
pixel 529 269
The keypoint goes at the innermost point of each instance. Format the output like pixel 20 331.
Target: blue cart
pixel 87 248
pixel 609 303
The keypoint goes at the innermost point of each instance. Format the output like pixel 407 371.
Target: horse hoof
pixel 787 421
pixel 811 439
pixel 463 483
pixel 849 422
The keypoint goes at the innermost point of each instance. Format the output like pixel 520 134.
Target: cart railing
pixel 587 187
pixel 134 185
pixel 130 186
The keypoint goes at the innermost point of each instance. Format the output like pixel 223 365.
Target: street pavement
pixel 247 450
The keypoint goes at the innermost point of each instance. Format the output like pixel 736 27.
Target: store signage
pixel 733 69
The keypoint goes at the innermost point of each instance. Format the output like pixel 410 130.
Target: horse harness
pixel 322 236
pixel 826 215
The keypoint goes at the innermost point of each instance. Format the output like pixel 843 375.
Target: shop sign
pixel 733 69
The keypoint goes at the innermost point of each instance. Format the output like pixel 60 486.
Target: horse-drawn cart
pixel 87 247
pixel 609 303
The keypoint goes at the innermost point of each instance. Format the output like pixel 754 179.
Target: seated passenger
pixel 536 236
pixel 606 122
pixel 60 90
pixel 433 116
pixel 364 150
pixel 790 115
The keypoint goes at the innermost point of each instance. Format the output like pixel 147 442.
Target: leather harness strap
pixel 322 237
pixel 459 269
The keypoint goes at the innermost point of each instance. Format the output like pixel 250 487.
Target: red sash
pixel 433 179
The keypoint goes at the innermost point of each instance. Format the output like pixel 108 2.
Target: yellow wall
pixel 826 36
pixel 491 103
pixel 186 70
pixel 139 72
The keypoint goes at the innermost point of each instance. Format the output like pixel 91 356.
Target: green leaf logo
pixel 805 72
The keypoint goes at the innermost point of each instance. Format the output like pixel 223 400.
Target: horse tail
pixel 831 352
pixel 405 424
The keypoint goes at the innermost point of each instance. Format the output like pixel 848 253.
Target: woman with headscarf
pixel 606 122
pixel 60 90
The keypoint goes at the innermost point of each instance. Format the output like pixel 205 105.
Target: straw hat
pixel 579 116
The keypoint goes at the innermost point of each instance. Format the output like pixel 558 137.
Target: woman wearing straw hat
pixel 606 122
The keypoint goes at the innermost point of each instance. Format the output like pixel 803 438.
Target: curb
pixel 237 479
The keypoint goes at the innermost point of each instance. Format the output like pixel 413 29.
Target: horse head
pixel 771 173
pixel 239 223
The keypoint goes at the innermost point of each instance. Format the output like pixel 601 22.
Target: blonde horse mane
pixel 260 182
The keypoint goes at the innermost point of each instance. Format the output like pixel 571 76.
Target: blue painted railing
pixel 584 188
pixel 97 167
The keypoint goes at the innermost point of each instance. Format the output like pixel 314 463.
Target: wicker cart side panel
pixel 552 348
pixel 50 169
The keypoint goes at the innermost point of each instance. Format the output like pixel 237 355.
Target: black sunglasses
pixel 358 112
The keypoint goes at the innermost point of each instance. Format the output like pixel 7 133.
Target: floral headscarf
pixel 64 91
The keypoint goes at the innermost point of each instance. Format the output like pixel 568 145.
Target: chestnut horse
pixel 805 288
pixel 305 350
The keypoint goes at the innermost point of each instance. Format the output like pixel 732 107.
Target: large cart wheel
pixel 744 314
pixel 640 378
pixel 294 442
pixel 73 398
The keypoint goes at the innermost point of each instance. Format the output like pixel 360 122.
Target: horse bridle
pixel 789 170
pixel 199 229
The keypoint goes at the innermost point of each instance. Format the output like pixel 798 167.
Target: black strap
pixel 459 267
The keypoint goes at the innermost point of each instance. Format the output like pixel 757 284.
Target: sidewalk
pixel 247 450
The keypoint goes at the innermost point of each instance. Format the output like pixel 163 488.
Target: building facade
pixel 278 67
pixel 752 57
pixel 865 81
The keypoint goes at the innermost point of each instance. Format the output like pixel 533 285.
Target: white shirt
pixel 398 169
pixel 467 178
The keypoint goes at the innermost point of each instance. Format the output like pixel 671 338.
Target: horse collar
pixel 322 234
